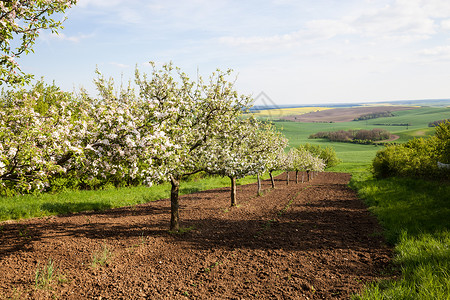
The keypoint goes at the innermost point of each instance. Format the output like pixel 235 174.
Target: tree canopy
pixel 20 24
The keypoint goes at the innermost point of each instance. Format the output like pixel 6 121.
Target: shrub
pixel 443 134
pixel 327 154
pixel 362 136
pixel 436 123
pixel 413 159
pixel 382 114
pixel 417 158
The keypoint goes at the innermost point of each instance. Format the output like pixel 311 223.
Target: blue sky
pixel 296 52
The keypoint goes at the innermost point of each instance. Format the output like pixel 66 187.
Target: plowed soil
pixel 312 240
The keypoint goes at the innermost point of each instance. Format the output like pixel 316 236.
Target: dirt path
pixel 310 240
pixel 392 138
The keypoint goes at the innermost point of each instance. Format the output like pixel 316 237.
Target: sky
pixel 294 52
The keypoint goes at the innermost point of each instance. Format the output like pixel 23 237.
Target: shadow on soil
pixel 20 235
pixel 337 222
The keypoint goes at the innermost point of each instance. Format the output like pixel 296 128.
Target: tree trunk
pixel 233 191
pixel 296 176
pixel 307 172
pixel 303 177
pixel 287 178
pixel 259 185
pixel 174 203
pixel 271 179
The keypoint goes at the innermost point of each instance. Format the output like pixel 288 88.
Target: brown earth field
pixel 312 240
pixel 343 114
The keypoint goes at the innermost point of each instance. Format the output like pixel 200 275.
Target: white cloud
pixel 327 29
pixel 315 30
pixel 120 65
pixel 129 15
pixel 113 11
pixel 440 52
pixel 403 21
pixel 432 8
pixel 100 3
pixel 445 25
pixel 63 37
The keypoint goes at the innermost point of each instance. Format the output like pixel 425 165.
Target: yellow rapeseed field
pixel 284 112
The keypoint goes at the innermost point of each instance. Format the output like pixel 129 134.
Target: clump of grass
pixel 182 230
pixel 142 238
pixel 43 277
pixel 101 257
pixel 415 215
pixel 211 267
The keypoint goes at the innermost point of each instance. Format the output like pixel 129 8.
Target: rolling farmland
pixel 361 155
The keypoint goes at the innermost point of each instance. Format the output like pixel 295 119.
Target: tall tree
pixel 193 113
pixel 229 153
pixel 20 25
pixel 272 143
pixel 246 150
pixel 117 137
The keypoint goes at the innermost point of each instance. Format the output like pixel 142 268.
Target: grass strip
pixel 71 201
pixel 415 215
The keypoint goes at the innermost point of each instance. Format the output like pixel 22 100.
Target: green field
pixel 356 156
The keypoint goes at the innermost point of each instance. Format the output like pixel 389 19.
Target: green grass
pixel 44 276
pixel 101 257
pixel 418 118
pixel 415 133
pixel 70 201
pixel 415 215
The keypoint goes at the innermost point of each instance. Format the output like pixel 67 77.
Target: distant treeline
pixel 393 124
pixel 362 136
pixel 381 114
pixel 436 123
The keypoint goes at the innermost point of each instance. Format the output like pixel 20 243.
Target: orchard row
pixel 161 128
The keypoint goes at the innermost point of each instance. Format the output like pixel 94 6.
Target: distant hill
pixel 341 114
pixel 423 102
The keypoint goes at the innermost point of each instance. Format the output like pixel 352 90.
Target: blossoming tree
pixel 301 160
pixel 167 129
pixel 230 153
pixel 125 138
pixel 46 134
pixel 274 156
pixel 306 161
pixel 34 139
pixel 20 23
pixel 194 114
